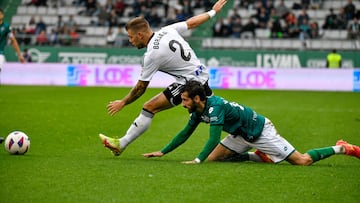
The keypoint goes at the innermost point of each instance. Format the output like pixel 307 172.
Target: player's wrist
pixel 197 160
pixel 211 13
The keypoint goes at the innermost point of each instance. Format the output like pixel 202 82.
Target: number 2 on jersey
pixel 182 52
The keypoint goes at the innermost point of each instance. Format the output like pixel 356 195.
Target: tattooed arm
pixel 136 92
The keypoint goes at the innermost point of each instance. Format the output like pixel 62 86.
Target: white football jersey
pixel 168 52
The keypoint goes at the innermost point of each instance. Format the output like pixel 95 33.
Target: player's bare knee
pixel 151 108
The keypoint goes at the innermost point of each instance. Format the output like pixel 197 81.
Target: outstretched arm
pixel 179 139
pixel 16 47
pixel 195 21
pixel 133 95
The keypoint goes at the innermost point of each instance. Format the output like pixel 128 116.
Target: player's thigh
pixel 170 97
pixel 220 153
pixel 271 143
pixel 157 103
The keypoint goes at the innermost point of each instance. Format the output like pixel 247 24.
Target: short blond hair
pixel 138 24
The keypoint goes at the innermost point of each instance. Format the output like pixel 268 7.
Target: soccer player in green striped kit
pixel 247 129
pixel 5 34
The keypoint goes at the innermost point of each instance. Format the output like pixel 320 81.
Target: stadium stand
pixel 93 29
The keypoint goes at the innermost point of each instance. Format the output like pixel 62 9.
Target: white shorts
pixel 269 142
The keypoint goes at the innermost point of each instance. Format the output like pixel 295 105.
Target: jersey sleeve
pixel 149 68
pixel 180 27
pixel 180 138
pixel 213 141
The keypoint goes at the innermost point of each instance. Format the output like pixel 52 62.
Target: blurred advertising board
pixel 224 77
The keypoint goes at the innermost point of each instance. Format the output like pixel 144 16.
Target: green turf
pixel 67 163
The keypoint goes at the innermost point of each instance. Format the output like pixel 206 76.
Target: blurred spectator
pixel 198 4
pixel 330 20
pixel 262 18
pixel 31 26
pixel 40 25
pixel 92 8
pixel 304 29
pixel 187 8
pixel 112 20
pixel 137 7
pixel 303 15
pixel 144 11
pixel 120 7
pixel 53 37
pixel 291 18
pixel 65 38
pixel 354 29
pixel 314 30
pixel 71 23
pixel 102 18
pixel 350 10
pixel 153 18
pixel 341 19
pixel 250 26
pixel 121 39
pixel 108 6
pixel 26 56
pixel 281 9
pixel 292 29
pixel 236 27
pixel 75 37
pixel 276 30
pixel 268 5
pixel 179 12
pixel 333 60
pixel 170 17
pixel 59 25
pixel 220 29
pixel 235 14
pixel 42 38
pixel 24 38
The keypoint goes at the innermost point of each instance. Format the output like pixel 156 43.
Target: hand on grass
pixel 190 162
pixel 153 154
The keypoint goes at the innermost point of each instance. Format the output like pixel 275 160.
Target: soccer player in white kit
pixel 168 52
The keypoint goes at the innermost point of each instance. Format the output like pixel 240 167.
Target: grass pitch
pixel 67 163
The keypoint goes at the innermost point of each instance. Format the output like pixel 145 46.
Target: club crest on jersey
pixel 211 109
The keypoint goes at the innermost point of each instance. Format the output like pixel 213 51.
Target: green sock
pixel 322 153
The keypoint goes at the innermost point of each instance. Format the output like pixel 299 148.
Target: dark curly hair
pixel 194 88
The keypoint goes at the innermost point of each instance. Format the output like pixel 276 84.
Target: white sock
pixel 339 149
pixel 140 125
pixel 254 157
